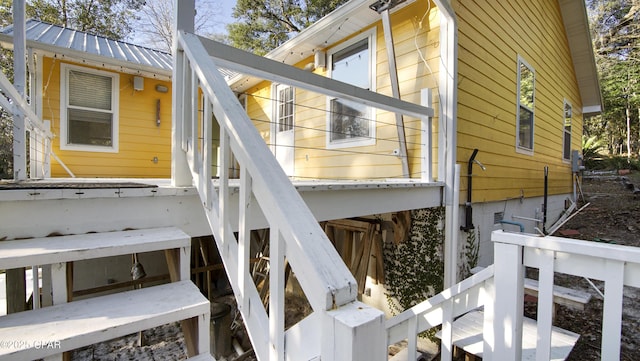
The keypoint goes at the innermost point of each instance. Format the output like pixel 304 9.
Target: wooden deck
pixel 81 205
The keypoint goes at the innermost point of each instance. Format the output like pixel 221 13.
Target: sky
pixel 226 7
pixel 217 23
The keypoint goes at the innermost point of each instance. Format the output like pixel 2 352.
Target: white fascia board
pixel 316 34
pixel 592 110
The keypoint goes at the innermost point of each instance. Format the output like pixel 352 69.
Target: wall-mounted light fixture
pixel 138 83
pixel 161 88
pixel 320 59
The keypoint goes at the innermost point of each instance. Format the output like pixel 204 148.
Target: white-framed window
pixel 526 105
pixel 284 108
pixel 88 109
pixel 349 123
pixel 566 131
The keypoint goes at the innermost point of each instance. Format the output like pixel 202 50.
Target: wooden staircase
pixel 49 331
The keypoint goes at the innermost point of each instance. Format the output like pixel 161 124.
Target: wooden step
pixel 49 250
pixel 467 335
pixel 561 295
pixel 51 330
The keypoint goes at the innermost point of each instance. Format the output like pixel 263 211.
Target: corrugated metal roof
pixel 85 47
pixel 54 38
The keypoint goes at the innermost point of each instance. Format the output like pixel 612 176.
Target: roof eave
pixel 576 23
pixel 91 59
pixel 322 34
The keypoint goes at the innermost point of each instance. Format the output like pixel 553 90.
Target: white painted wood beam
pixel 19 81
pixel 354 332
pixel 545 305
pixel 612 310
pixel 509 302
pixel 277 251
pixel 570 246
pixel 327 282
pixel 182 207
pixel 184 12
pixel 235 59
pixel 244 238
pixel 447 140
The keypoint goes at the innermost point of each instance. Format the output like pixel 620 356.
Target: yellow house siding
pixel 491 36
pixel 313 159
pixel 140 141
pixel 411 37
pixel 259 109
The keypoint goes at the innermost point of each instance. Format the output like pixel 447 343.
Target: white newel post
pixel 183 20
pixel 508 302
pixel 354 332
pixel 19 81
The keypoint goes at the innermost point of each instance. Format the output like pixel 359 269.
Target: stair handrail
pixel 202 94
pixel 41 135
pixel 270 185
pixel 326 281
pixel 17 101
pixel 617 265
pixel 441 309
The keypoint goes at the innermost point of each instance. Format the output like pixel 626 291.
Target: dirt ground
pixel 613 216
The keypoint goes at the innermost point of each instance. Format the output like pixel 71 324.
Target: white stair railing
pixel 616 265
pixel 442 309
pixel 500 289
pixel 340 328
pixel 40 135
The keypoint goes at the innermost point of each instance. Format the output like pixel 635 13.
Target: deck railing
pixel 38 148
pixel 441 309
pixel 500 289
pixel 40 135
pixel 339 327
pixel 616 265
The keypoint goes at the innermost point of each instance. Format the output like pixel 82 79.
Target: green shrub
pixel 591 147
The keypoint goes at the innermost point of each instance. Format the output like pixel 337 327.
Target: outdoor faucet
pixel 480 164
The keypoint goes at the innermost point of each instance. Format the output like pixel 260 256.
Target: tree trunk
pixel 65 19
pixel 628 111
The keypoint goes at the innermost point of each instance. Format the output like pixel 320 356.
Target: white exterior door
pixel 283 128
